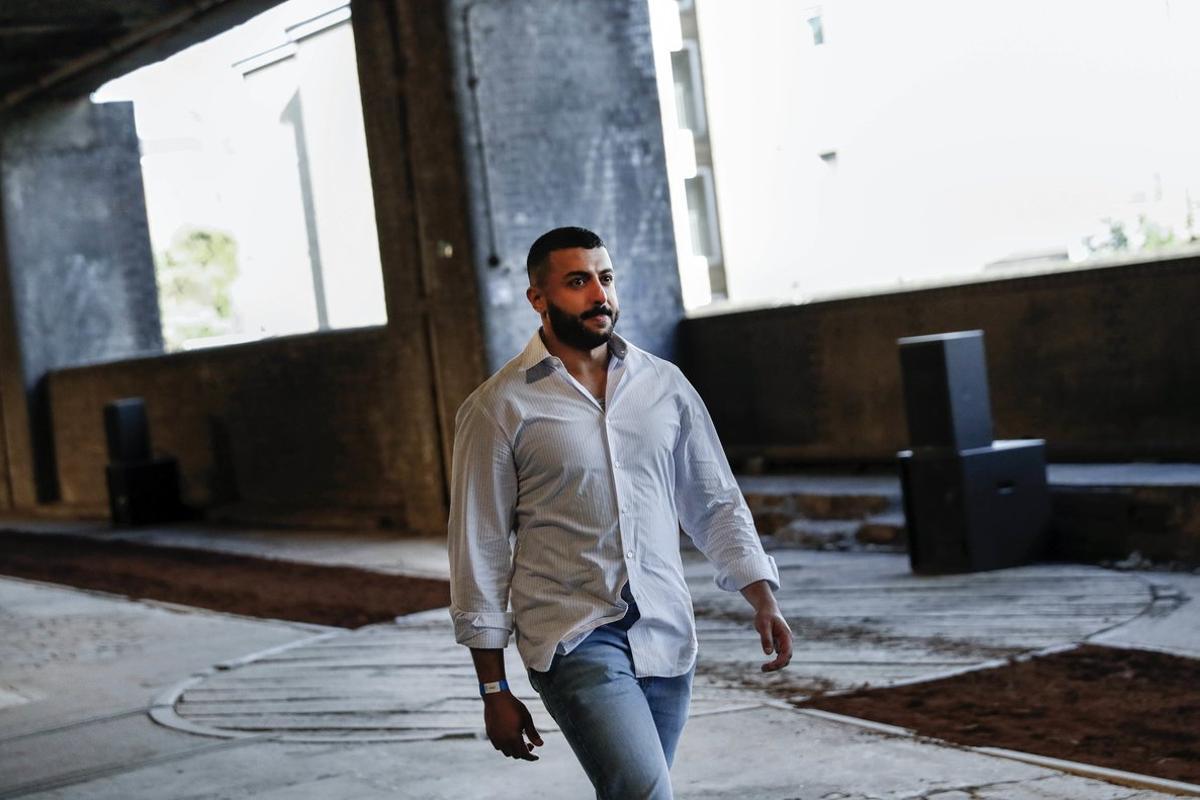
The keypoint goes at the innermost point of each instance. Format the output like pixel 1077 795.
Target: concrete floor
pixel 387 710
pixel 887 482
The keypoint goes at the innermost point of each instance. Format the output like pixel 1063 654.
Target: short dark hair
pixel 557 239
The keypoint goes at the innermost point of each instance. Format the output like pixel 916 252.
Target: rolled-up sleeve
pixel 483 491
pixel 709 502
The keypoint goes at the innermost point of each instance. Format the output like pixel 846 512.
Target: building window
pixel 702 212
pixel 689 151
pixel 258 193
pixel 817 28
pixel 689 91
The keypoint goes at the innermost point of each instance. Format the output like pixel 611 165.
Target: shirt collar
pixel 535 352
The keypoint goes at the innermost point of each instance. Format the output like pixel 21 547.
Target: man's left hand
pixel 776 638
pixel 771 626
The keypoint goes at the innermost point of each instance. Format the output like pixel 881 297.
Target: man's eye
pixel 607 279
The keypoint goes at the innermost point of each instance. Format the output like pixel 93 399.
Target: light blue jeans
pixel 623 729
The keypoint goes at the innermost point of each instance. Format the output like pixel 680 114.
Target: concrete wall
pixel 80 271
pixel 297 424
pixel 331 428
pixel 561 125
pixel 1103 363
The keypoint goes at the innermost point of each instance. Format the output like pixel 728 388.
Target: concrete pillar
pixel 412 132
pixel 78 283
pixel 561 126
pixel 14 422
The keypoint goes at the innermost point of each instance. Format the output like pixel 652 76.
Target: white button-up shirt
pixel 557 500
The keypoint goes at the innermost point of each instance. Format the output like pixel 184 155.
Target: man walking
pixel 574 467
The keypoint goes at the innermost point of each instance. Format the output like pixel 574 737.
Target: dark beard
pixel 573 332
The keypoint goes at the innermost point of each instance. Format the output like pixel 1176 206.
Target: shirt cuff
pixel 487 639
pixel 748 569
pixel 482 629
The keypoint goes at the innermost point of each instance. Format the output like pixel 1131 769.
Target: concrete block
pixel 840 506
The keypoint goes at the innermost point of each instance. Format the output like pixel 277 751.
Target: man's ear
pixel 534 295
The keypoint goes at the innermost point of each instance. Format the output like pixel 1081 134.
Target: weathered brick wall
pixel 298 423
pixel 561 127
pixel 1157 523
pixel 1103 363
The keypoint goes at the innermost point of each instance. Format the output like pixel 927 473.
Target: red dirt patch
pixel 1130 710
pixel 256 587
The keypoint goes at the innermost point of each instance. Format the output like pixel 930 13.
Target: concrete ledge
pixel 1159 522
pixel 1136 513
pixel 1131 779
pixel 865 724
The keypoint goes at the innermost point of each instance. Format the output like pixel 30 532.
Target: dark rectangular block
pixel 145 492
pixel 946 390
pixel 127 431
pixel 977 509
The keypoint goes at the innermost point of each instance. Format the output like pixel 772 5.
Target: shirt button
pixel 617 464
pixel 629 554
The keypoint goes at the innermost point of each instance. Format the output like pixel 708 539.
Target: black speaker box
pixel 127 431
pixel 946 390
pixel 976 509
pixel 144 492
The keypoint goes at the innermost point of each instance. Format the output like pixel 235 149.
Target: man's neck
pixel 578 362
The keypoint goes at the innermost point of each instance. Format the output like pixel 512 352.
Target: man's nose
pixel 598 295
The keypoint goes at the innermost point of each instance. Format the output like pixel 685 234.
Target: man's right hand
pixel 508 723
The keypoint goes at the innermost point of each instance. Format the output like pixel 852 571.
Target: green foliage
pixel 194 278
pixel 1117 240
pixel 1147 236
pixel 1154 235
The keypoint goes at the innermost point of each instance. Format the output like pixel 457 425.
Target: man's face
pixel 578 297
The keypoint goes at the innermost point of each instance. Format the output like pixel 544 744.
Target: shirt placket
pixel 626 528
